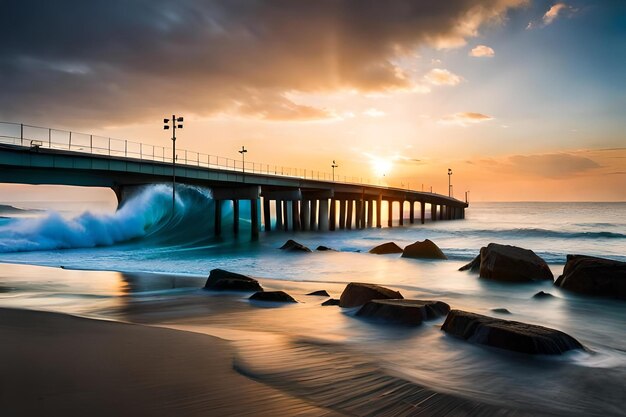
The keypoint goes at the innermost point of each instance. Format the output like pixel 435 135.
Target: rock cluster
pixel 221 280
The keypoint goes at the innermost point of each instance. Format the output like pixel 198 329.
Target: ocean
pixel 111 264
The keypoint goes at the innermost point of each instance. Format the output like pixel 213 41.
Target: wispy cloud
pixel 558 9
pixel 465 118
pixel 553 165
pixel 374 112
pixel 482 51
pixel 439 76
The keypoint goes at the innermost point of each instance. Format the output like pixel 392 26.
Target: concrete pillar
pixel 411 212
pixel 433 212
pixel 279 214
pixel 362 215
pixel 267 215
pixel 342 214
pixel 401 212
pixel 357 213
pixel 295 214
pixel 323 215
pixel 423 212
pixel 254 218
pixel 286 216
pixel 349 215
pixel 236 216
pixel 314 214
pixel 218 218
pixel 370 212
pixel 333 214
pixel 379 211
pixel 305 215
pixel 442 208
pixel 390 213
pixel 463 213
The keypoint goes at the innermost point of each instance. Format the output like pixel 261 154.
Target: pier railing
pixel 43 137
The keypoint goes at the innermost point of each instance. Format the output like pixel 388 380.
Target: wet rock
pixel 293 246
pixel 594 276
pixel 357 294
pixel 273 296
pixel 322 248
pixel 331 302
pixel 506 334
pixel 512 264
pixel 409 312
pixel 473 266
pixel 423 250
pixel 501 310
pixel 543 295
pixel 321 293
pixel 221 280
pixel 386 248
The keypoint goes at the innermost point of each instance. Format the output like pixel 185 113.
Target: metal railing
pixel 42 137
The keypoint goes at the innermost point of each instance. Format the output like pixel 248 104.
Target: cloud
pixel 553 12
pixel 438 76
pixel 114 62
pixel 482 51
pixel 465 119
pixel 552 165
pixel 374 112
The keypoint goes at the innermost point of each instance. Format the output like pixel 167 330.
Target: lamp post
pixel 333 166
pixel 449 182
pixel 243 157
pixel 177 123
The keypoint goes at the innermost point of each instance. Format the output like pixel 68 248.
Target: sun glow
pixel 381 166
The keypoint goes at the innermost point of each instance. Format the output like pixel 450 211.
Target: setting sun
pixel 381 166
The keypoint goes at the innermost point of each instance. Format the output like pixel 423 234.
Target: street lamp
pixel 449 182
pixel 333 166
pixel 177 123
pixel 243 156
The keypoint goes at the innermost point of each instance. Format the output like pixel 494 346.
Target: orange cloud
pixel 482 51
pixel 465 118
pixel 440 76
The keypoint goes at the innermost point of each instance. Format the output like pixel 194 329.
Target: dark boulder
pixel 273 296
pixel 331 302
pixel 386 248
pixel 321 293
pixel 423 250
pixel 506 334
pixel 220 280
pixel 594 276
pixel 543 295
pixel 473 266
pixel 323 248
pixel 501 310
pixel 512 264
pixel 293 246
pixel 410 312
pixel 357 294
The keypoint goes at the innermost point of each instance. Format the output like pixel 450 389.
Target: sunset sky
pixel 523 99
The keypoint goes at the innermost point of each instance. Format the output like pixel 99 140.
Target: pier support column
pixel 254 218
pixel 357 213
pixel 379 211
pixel 313 214
pixel 267 215
pixel 286 213
pixel 411 212
pixel 342 214
pixel 433 212
pixel 362 215
pixel 349 215
pixel 236 216
pixel 389 213
pixel 370 212
pixel 279 214
pixel 295 215
pixel 442 209
pixel 323 215
pixel 423 212
pixel 401 213
pixel 218 218
pixel 333 214
pixel 305 215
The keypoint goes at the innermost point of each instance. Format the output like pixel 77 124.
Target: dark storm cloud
pixel 114 61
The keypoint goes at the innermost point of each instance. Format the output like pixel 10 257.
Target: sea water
pixel 144 235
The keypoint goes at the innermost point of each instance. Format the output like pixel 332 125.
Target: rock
pixel 543 295
pixel 357 294
pixel 501 310
pixel 423 250
pixel 410 312
pixel 293 246
pixel 512 264
pixel 510 335
pixel 594 276
pixel 325 248
pixel 273 296
pixel 220 280
pixel 331 302
pixel 473 266
pixel 321 293
pixel 386 248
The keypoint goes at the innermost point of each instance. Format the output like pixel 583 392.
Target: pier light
pixel 449 182
pixel 177 123
pixel 333 166
pixel 243 152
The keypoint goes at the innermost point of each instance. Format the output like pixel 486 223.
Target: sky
pixel 525 100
